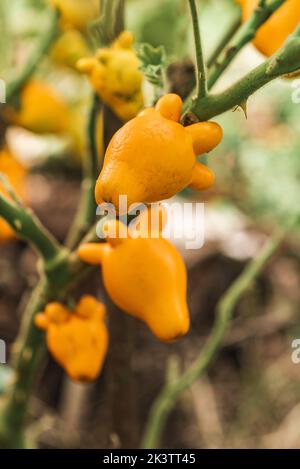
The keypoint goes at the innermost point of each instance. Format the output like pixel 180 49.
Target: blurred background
pixel 250 396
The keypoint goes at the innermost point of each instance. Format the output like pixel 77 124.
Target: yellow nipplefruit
pixel 153 156
pixel 41 109
pixel 78 340
pixel 69 48
pixel 271 35
pixel 77 13
pixel 144 276
pixel 16 175
pixel 115 76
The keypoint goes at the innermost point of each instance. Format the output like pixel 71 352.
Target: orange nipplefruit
pixel 153 156
pixel 145 276
pixel 271 35
pixel 77 339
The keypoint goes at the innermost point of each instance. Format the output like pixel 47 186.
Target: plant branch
pixel 86 214
pixel 112 23
pixel 60 275
pixel 227 35
pixel 43 45
pixel 201 82
pixel 29 348
pixel 27 353
pixel 224 310
pixel 92 169
pixel 225 38
pixel 243 36
pixel 286 60
pixel 27 226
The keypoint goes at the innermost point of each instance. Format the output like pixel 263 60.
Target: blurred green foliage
pixel 21 22
pixel 258 162
pixel 160 22
pixel 167 23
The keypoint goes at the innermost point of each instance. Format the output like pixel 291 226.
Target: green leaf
pixel 153 63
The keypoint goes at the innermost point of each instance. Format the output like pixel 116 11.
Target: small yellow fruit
pixel 69 48
pixel 115 76
pixel 153 156
pixel 41 109
pixel 144 276
pixel 271 35
pixel 77 13
pixel 77 339
pixel 16 175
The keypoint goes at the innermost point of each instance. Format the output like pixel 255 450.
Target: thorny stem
pixel 60 273
pixel 61 270
pixel 244 35
pixel 27 226
pixel 227 35
pixel 30 345
pixel 28 351
pixel 170 393
pixel 44 43
pixel 201 83
pixel 286 60
pixel 93 161
pixel 113 13
pixel 87 207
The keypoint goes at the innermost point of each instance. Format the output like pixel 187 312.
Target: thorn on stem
pixel 18 224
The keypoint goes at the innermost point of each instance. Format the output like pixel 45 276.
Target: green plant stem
pixel 93 161
pixel 112 24
pixel 233 26
pixel 112 21
pixel 286 60
pixel 28 351
pixel 27 226
pixel 114 14
pixel 165 401
pixel 243 36
pixel 59 276
pixel 44 43
pixel 201 82
pixel 86 214
pixel 226 37
pixel 30 345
